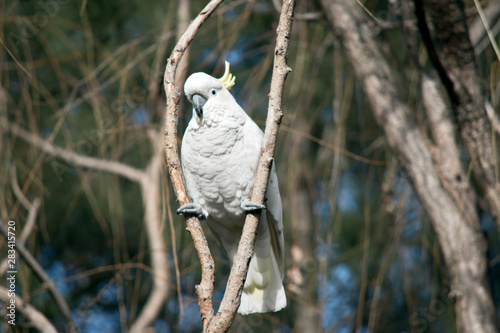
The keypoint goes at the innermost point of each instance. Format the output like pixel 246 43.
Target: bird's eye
pixel 213 92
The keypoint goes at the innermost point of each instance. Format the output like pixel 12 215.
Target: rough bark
pixel 458 59
pixel 446 153
pixel 460 235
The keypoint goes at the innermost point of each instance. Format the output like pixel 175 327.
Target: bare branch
pixel 492 116
pixel 150 188
pixel 40 273
pixel 149 181
pixel 72 157
pixel 231 300
pixel 35 317
pixel 183 15
pixel 477 30
pixel 486 24
pixel 227 310
pixel 32 214
pixel 205 289
pixel 32 207
pixel 309 16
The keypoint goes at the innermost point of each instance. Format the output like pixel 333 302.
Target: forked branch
pixel 205 289
pixel 227 311
pixel 231 301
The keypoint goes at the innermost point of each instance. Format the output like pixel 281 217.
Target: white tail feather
pixel 263 290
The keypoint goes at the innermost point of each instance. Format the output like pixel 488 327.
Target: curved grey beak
pixel 198 102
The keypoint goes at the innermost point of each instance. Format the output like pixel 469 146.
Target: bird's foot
pixel 249 207
pixel 193 209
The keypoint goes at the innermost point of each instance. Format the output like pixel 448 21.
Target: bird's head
pixel 202 90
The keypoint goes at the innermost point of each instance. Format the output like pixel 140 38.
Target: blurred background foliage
pixel 88 75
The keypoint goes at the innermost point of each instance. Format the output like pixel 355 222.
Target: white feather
pixel 219 154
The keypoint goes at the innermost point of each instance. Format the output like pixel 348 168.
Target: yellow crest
pixel 227 80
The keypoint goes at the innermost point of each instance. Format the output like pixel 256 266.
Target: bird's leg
pixel 249 207
pixel 193 209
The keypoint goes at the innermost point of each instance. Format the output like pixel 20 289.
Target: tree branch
pixel 36 318
pixel 72 157
pixel 224 318
pixel 150 189
pixel 309 16
pixel 446 153
pixel 40 273
pixel 477 29
pixel 231 301
pixel 30 221
pixel 206 287
pixel 460 236
pixel 459 62
pixel 149 181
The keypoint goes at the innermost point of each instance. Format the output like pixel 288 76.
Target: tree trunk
pixel 304 261
pixel 466 92
pixel 459 234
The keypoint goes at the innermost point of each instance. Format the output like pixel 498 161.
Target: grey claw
pixel 193 209
pixel 249 207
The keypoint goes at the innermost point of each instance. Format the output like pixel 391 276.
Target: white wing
pixel 263 289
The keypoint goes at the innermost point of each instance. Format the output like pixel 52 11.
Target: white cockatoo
pixel 219 154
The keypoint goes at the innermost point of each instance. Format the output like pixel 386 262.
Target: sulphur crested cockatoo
pixel 219 154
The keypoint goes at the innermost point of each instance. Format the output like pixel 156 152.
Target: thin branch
pixel 483 43
pixel 331 146
pixel 174 252
pixel 149 181
pixel 32 207
pixel 35 317
pixel 477 30
pixel 30 221
pixel 15 59
pixel 43 276
pixel 205 289
pixel 231 301
pixel 72 157
pixel 492 116
pixel 487 28
pixel 308 16
pixel 150 188
pixel 183 15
